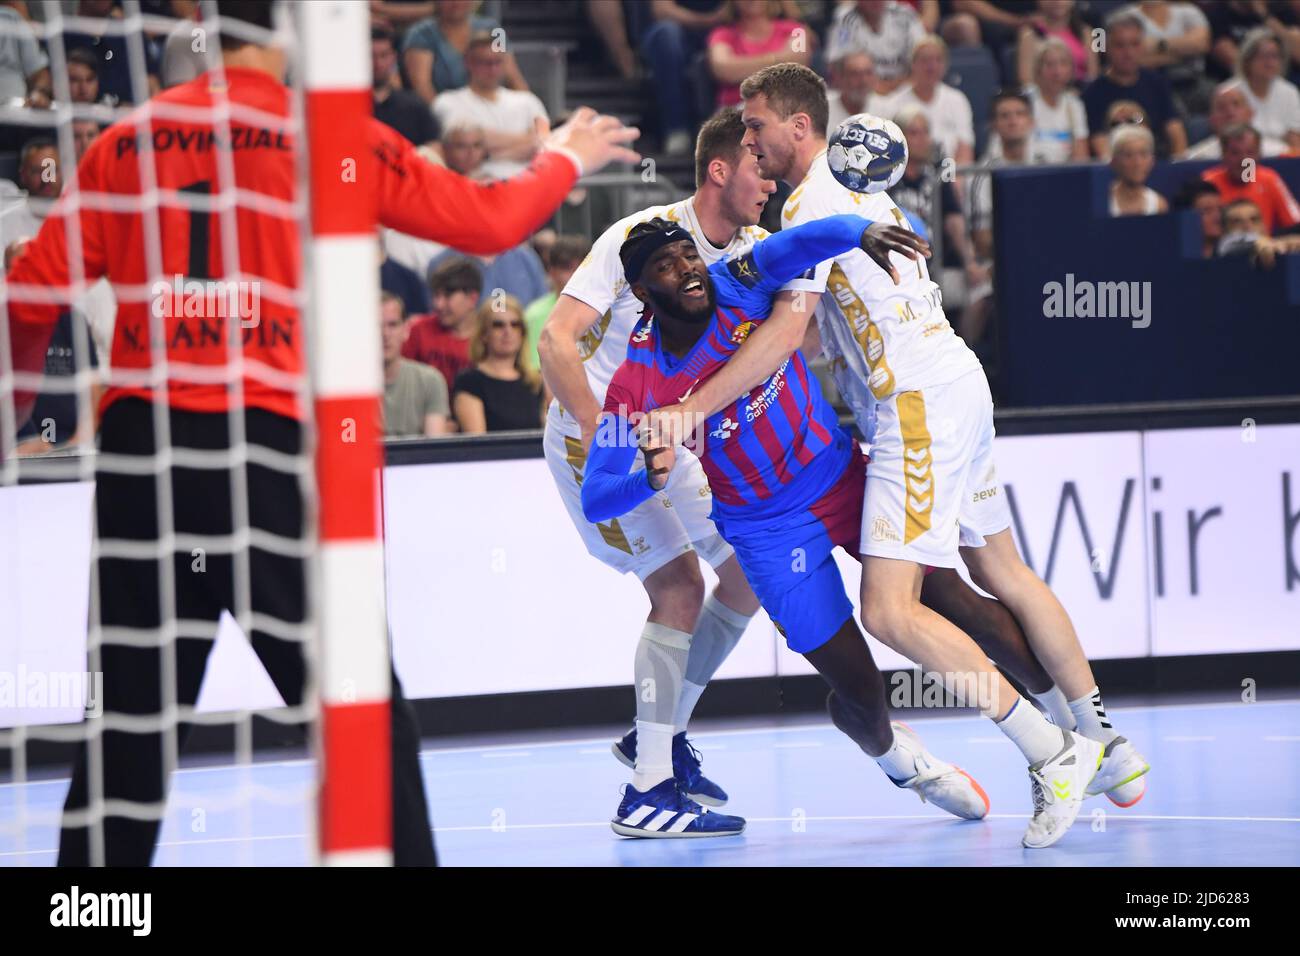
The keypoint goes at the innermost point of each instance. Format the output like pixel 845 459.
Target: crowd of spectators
pixel 1127 84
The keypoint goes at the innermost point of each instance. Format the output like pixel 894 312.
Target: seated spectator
pixel 1056 20
pixel 83 79
pixel 1240 176
pixel 1060 122
pixel 433 50
pixel 464 149
pixel 111 54
pixel 562 260
pixel 1125 79
pixel 1276 100
pixel 852 86
pixel 442 339
pixel 957 269
pixel 754 39
pixel 1243 227
pixel 513 122
pixel 1132 157
pixel 1013 123
pixel 1200 197
pixel 1175 43
pixel 885 29
pixel 27 203
pixel 415 394
pixel 22 61
pixel 401 109
pixel 1229 106
pixel 946 107
pixel 669 45
pixel 1230 22
pixel 502 389
pixel 1283 18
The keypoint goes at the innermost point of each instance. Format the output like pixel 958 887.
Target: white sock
pixel 691 692
pixel 654 755
pixel 1029 730
pixel 1090 714
pixel 1054 702
pixel 897 762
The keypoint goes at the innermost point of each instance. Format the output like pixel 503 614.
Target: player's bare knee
pixel 677 592
pixel 887 620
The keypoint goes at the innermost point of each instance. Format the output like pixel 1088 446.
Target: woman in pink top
pixel 755 39
pixel 1056 18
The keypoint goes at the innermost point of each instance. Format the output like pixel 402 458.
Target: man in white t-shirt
pixel 1230 106
pixel 885 29
pixel 932 495
pixel 513 121
pixel 946 107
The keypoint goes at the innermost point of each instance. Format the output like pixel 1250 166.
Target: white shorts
pixel 931 484
pixel 673 522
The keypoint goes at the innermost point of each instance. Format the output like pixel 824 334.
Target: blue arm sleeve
pixel 791 252
pixel 609 487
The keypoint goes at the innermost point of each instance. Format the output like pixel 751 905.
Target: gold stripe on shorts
pixel 575 456
pixel 918 471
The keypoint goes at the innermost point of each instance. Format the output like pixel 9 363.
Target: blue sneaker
pixel 686 768
pixel 665 812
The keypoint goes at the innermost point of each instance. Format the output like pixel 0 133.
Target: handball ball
pixel 867 154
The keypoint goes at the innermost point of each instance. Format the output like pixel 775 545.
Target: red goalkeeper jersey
pixel 200 332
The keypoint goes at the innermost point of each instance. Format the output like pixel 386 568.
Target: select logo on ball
pixel 867 154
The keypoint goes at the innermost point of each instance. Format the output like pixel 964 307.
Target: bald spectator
pixel 1240 176
pixel 852 88
pixel 885 29
pixel 946 107
pixel 513 122
pixel 393 106
pixel 1125 79
pixel 1229 106
pixel 415 395
pixel 1275 100
pixel 22 61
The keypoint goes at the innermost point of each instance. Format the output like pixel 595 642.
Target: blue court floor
pixel 1224 790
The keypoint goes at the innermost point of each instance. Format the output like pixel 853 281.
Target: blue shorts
pixel 790 566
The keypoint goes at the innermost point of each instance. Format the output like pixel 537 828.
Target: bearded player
pixel 584 342
pixel 787 482
pixel 932 495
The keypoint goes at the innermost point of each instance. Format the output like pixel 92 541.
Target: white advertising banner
pixel 1164 543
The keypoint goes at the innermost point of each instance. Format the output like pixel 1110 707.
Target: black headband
pixel 646 246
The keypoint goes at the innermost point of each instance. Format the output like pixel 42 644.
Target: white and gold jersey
pixel 600 284
pixel 881 338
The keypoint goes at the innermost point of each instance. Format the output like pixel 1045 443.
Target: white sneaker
pixel 1058 786
pixel 1120 775
pixel 946 786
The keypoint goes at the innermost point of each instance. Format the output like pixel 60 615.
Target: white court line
pixel 740 732
pixel 798 745
pixel 1179 739
pixel 503 755
pixel 802 819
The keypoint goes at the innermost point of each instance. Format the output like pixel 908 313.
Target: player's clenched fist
pixel 659 456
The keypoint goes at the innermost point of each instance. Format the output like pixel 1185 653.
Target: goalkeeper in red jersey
pixel 157 475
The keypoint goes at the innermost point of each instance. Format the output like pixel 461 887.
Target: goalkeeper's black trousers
pixel 131 589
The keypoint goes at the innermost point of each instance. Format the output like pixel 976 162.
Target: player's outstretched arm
pixel 791 252
pixel 609 487
pixel 430 201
